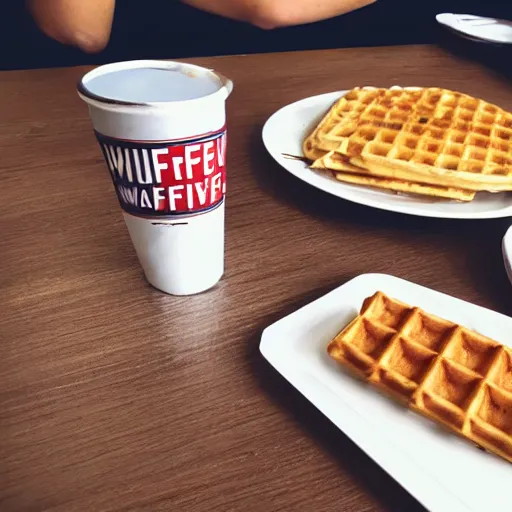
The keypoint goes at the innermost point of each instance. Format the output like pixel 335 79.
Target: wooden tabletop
pixel 117 397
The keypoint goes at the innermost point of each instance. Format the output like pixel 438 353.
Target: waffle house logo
pixel 169 178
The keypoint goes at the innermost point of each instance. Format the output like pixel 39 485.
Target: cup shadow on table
pixel 352 460
pixel 485 269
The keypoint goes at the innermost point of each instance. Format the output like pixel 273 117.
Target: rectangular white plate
pixel 441 471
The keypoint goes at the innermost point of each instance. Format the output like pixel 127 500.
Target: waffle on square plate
pixel 448 373
pixel 419 380
pixel 424 141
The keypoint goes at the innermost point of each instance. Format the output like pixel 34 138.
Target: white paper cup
pixel 161 126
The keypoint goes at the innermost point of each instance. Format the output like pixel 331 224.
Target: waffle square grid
pixel 429 136
pixel 440 369
pixel 430 126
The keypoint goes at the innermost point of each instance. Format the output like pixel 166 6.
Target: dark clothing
pixel 169 29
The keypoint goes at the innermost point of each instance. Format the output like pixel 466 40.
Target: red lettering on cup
pixel 170 178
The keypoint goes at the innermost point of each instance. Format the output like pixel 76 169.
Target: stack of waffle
pixel 444 371
pixel 426 141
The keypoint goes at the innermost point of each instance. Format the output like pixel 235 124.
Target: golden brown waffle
pixel 323 138
pixel 442 370
pixel 346 172
pixel 316 144
pixel 434 135
pixel 405 187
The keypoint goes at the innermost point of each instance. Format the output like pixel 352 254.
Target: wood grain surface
pixel 116 397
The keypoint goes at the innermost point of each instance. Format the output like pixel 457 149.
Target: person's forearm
pixel 276 13
pixel 83 23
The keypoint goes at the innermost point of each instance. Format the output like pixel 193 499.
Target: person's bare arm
pixel 87 23
pixel 270 14
pixel 82 23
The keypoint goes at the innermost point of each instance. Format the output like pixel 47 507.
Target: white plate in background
pixel 507 252
pixel 477 28
pixel 442 471
pixel 285 131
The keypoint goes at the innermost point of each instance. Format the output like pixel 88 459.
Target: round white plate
pixel 477 28
pixel 507 252
pixel 285 131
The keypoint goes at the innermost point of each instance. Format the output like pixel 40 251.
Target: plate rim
pixel 342 191
pixel 466 35
pixel 506 249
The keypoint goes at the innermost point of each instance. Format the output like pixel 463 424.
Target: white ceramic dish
pixel 285 130
pixel 442 471
pixel 507 252
pixel 477 28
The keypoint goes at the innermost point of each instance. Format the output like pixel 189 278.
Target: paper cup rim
pixel 224 90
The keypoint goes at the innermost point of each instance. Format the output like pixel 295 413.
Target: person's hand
pixel 83 23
